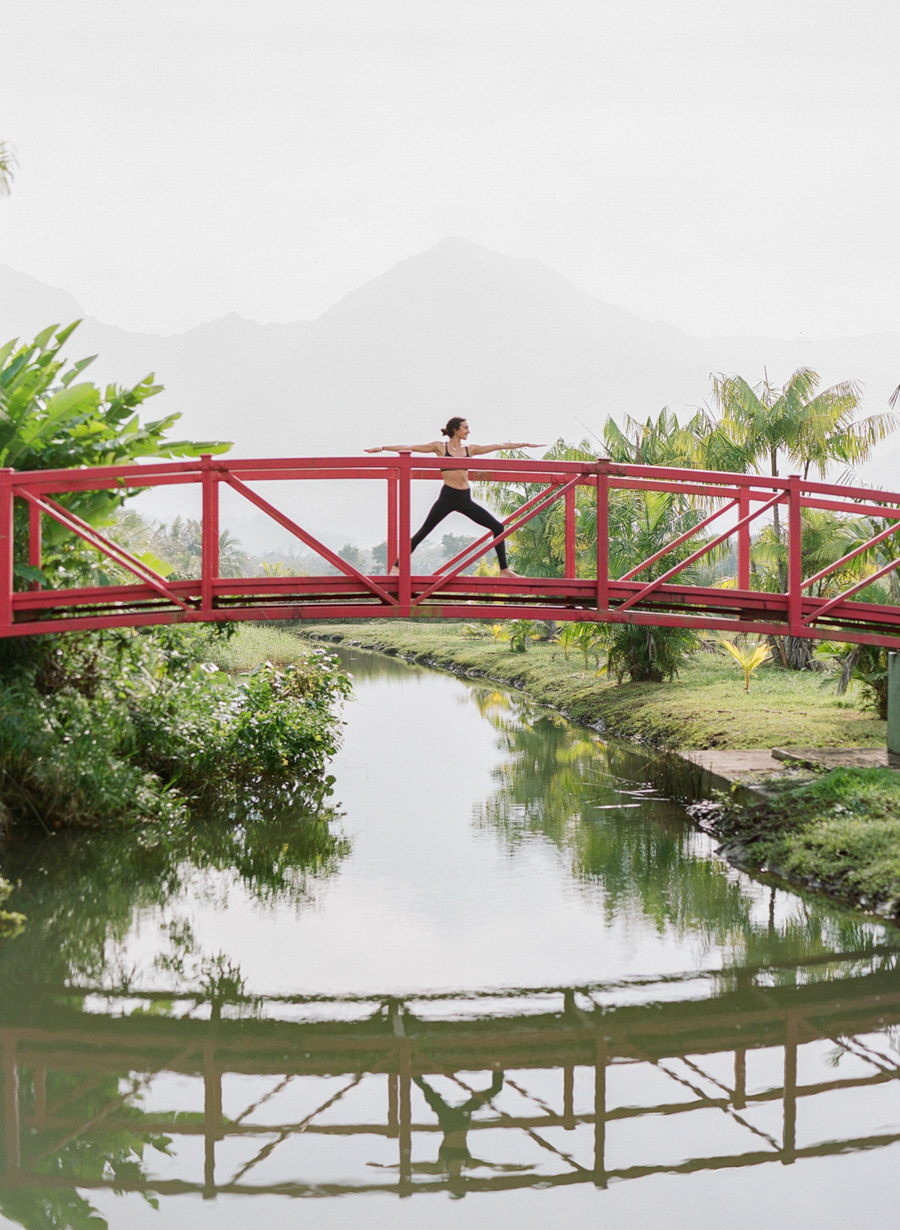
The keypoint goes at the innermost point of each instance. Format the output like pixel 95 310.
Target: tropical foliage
pixel 760 428
pixel 52 418
pixel 749 659
pixel 8 164
pixel 129 726
pixel 98 730
pixel 748 429
pixel 176 550
pixel 10 920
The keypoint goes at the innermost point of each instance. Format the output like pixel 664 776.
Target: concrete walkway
pixel 747 773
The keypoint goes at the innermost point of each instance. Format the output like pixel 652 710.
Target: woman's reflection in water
pixel 454 1121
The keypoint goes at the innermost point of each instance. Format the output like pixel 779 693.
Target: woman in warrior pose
pixel 456 495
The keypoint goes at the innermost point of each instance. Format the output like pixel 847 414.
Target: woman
pixel 456 495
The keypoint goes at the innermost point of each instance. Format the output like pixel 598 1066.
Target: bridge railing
pixel 730 507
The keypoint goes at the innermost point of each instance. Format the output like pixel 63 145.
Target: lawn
pixel 705 706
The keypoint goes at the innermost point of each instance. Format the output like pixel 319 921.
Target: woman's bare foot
pixel 395 571
pixel 508 572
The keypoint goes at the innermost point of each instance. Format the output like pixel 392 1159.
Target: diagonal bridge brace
pixel 653 585
pixel 319 547
pixel 854 589
pixel 95 539
pixel 670 546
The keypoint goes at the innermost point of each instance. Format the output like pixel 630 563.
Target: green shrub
pixel 137 726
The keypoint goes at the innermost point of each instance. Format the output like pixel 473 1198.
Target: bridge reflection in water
pixel 540 1088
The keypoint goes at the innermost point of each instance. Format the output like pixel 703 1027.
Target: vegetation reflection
pixel 637 850
pixel 83 894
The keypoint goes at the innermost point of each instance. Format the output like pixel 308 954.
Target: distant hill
pixel 508 342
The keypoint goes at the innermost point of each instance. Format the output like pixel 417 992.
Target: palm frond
pixel 8 165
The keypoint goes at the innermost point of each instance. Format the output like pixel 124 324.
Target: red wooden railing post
pixel 405 587
pixel 743 544
pixel 795 563
pixel 209 564
pixel 392 542
pixel 570 533
pixel 7 537
pixel 602 535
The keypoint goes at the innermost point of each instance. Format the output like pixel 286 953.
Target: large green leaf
pixel 52 418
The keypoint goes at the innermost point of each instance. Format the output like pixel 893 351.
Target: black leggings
pixel 452 500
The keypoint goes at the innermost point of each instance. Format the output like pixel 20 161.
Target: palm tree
pixel 640 524
pixel 662 441
pixel 764 425
pixel 8 164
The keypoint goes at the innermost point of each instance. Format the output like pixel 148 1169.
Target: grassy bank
pixel 704 707
pixel 839 833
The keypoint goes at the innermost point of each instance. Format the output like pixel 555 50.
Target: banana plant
pixel 52 418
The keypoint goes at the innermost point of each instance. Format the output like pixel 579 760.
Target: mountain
pixel 513 345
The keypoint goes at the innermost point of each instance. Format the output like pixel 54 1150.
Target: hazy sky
pixel 726 166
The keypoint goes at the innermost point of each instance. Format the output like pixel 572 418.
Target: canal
pixel 497 980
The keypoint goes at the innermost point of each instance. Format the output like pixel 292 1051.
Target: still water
pixel 498 981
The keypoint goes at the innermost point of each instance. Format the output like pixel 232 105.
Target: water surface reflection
pixel 501 963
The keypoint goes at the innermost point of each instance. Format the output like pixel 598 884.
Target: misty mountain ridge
pixel 457 329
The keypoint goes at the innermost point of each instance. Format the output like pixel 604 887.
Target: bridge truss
pixel 729 508
pixel 329 1105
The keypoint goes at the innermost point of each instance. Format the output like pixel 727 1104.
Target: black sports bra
pixel 447 452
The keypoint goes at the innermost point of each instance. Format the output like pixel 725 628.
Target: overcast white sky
pixel 726 166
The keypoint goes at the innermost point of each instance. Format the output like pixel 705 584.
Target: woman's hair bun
pixel 453 425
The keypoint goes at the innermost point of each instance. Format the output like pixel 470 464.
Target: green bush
pixel 130 726
pixel 645 653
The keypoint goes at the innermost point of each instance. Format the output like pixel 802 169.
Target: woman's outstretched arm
pixel 477 449
pixel 433 447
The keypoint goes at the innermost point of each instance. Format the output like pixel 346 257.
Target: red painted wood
pixel 112 550
pixel 393 541
pixel 667 601
pixel 6 551
pixel 35 551
pixel 209 559
pixel 404 589
pixel 602 499
pixel 795 566
pixel 570 533
pixel 648 589
pixel 743 540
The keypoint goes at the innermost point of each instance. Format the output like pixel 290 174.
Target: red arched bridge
pixel 738 502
